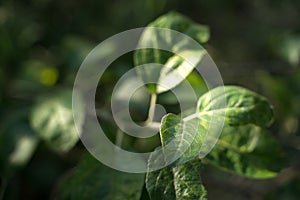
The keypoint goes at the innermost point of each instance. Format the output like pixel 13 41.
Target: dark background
pixel 255 44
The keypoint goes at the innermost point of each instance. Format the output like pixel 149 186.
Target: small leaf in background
pixel 180 182
pixel 288 48
pixel 73 50
pixel 175 68
pixel 248 151
pixel 181 23
pixel 242 106
pixel 17 142
pixel 92 180
pixel 52 119
pixel 25 146
pixel 284 93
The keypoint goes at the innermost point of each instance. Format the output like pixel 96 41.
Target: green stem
pixel 151 109
pixel 149 121
pixel 119 138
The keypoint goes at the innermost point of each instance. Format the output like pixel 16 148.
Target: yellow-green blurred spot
pixel 49 76
pixel 291 125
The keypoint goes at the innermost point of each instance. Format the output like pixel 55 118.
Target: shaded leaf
pixel 180 182
pixel 92 180
pixel 52 119
pixel 17 141
pixel 289 49
pixel 248 151
pixel 160 184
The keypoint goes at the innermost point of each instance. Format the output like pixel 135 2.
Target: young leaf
pixel 242 106
pixel 248 151
pixel 186 138
pixel 180 182
pixel 52 119
pixel 175 68
pixel 194 83
pixel 92 180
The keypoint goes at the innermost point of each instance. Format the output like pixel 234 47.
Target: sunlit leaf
pixel 188 136
pixel 175 68
pixel 242 106
pixel 182 91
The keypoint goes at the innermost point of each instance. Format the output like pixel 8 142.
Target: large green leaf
pixel 191 136
pixel 52 119
pixel 93 181
pixel 175 68
pixel 180 182
pixel 248 151
pixel 242 106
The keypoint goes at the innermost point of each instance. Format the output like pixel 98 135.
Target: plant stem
pixel 119 138
pixel 151 109
pixel 149 121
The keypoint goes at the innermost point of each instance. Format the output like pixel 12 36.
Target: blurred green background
pixel 255 44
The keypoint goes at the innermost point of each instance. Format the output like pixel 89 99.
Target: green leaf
pixel 17 141
pixel 194 136
pixel 288 48
pixel 180 23
pixel 52 119
pixel 194 83
pixel 160 184
pixel 25 146
pixel 248 151
pixel 245 150
pixel 180 182
pixel 93 181
pixel 242 106
pixel 175 69
pixel 186 138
